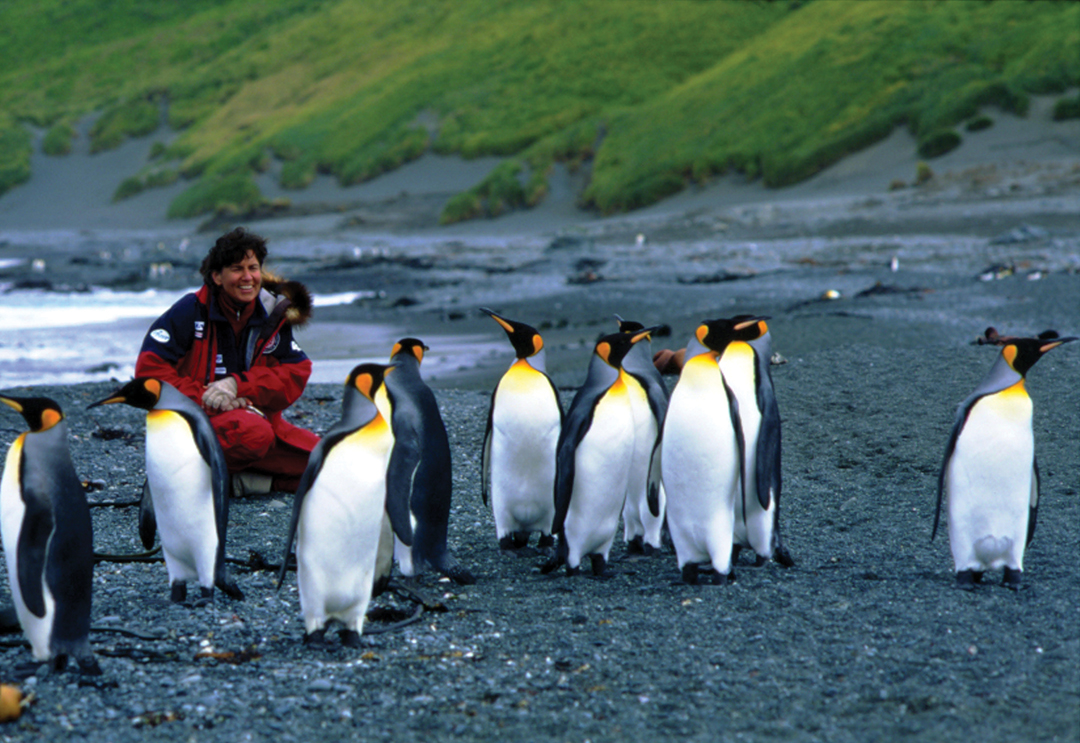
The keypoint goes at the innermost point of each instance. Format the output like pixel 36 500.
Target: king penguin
pixel 990 476
pixel 701 456
pixel 518 455
pixel 595 450
pixel 48 538
pixel 338 513
pixel 745 366
pixel 419 469
pixel 189 486
pixel 641 529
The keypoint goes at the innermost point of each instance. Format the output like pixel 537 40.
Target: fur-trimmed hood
pixel 276 290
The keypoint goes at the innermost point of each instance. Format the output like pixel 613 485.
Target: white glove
pixel 221 395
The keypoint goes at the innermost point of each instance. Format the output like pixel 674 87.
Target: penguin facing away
pixel 641 529
pixel 419 469
pixel 745 366
pixel 189 486
pixel 338 514
pixel 518 454
pixel 700 456
pixel 595 450
pixel 990 476
pixel 48 538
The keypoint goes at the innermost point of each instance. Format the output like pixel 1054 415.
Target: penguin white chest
pixel 989 481
pixel 339 529
pixel 700 465
pixel 181 488
pixel 525 432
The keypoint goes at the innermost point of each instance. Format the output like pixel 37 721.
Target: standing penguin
pixel 518 456
pixel 419 469
pixel 745 366
pixel 338 513
pixel 990 476
pixel 48 537
pixel 189 486
pixel 595 451
pixel 641 529
pixel 701 456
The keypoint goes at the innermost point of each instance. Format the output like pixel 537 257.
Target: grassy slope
pixel 670 91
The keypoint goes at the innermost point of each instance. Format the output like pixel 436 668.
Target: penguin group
pixel 700 463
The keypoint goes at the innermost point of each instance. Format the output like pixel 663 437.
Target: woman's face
pixel 242 280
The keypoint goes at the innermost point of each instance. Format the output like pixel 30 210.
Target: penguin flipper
pixel 767 456
pixel 954 435
pixel 485 451
pixel 740 442
pixel 1033 511
pixel 653 491
pixel 577 424
pixel 32 548
pixel 400 481
pixel 147 519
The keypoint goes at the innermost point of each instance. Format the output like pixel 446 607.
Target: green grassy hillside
pixel 655 94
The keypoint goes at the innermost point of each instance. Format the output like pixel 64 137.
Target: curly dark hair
pixel 231 248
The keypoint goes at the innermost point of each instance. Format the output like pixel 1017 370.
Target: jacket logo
pixel 272 344
pixel 161 335
pixel 200 328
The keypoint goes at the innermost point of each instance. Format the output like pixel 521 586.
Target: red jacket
pixel 192 345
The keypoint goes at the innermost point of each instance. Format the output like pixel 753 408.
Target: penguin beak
pixel 11 403
pixel 107 401
pixel 643 334
pixel 1056 342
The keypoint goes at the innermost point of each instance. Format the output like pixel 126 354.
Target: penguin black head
pixel 415 346
pixel 613 348
pixel 40 413
pixel 367 378
pixel 632 326
pixel 750 327
pixel 525 339
pixel 1023 353
pixel 141 392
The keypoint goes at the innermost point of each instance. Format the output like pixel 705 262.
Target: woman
pixel 230 348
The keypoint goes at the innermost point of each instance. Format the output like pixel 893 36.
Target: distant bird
pixel 990 476
pixel 189 487
pixel 595 451
pixel 745 366
pixel 641 530
pixel 518 455
pixel 420 464
pixel 701 456
pixel 338 513
pixel 48 537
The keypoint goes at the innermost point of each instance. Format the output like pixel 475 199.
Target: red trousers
pixel 250 444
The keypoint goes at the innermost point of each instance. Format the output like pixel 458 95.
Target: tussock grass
pixel 653 95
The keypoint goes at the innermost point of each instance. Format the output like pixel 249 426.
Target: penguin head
pixel 525 339
pixel 632 326
pixel 413 346
pixel 750 327
pixel 40 413
pixel 367 378
pixel 1022 353
pixel 141 392
pixel 613 348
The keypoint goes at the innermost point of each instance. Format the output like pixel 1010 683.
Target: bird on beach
pixel 338 513
pixel 419 469
pixel 519 445
pixel 188 485
pixel 641 529
pixel 744 364
pixel 595 450
pixel 700 457
pixel 990 476
pixel 48 537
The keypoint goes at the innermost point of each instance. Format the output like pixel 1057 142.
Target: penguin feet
pixel 88 665
pixel 551 565
pixel 229 588
pixel 178 592
pixel 547 541
pixel 514 540
pixel 1011 579
pixel 570 572
pixel 966 580
pixel 206 597
pixel 350 638
pixel 690 573
pixel 316 639
pixel 636 546
pixel 760 561
pixel 782 556
pixel 600 567
pixel 722 579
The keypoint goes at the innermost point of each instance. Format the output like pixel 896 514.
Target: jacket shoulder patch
pixel 161 335
pixel 272 344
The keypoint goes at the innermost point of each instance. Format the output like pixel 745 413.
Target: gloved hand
pixel 221 396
